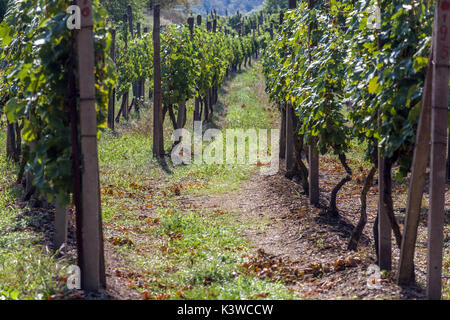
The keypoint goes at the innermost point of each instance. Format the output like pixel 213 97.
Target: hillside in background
pixel 231 5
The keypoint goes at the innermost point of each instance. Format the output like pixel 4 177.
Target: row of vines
pixel 341 75
pixel 37 61
pixel 362 72
pixel 41 95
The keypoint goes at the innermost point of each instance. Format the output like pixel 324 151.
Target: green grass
pixel 27 271
pixel 246 91
pixel 203 262
pixel 177 251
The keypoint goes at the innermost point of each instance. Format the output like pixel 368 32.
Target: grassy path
pixel 160 243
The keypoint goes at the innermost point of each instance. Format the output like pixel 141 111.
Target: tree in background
pixel 274 6
pixel 117 8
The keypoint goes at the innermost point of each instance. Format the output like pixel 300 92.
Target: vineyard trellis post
pixel 382 223
pixel 13 141
pixel 292 4
pixel 150 92
pixel 289 157
pixel 215 89
pixel 158 139
pixel 282 132
pixel 190 22
pixel 313 175
pixel 313 155
pixel 92 260
pixel 112 99
pixel 61 223
pixel 141 82
pixel 124 105
pixel 207 99
pixel 135 85
pixel 130 20
pixel 287 117
pixel 197 101
pixel 125 99
pixel 439 116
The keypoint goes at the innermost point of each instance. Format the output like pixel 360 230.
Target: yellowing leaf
pixel 373 85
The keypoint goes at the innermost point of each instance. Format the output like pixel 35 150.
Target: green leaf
pixel 14 109
pixel 373 85
pixel 14 294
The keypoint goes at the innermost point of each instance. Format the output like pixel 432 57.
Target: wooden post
pixel 289 139
pixel 439 113
pixel 13 141
pixel 130 20
pixel 76 158
pixel 283 133
pixel 126 95
pixel 61 220
pixel 135 85
pixel 141 83
pixel 190 22
pixel 158 139
pixel 214 89
pixel 197 116
pixel 313 175
pixel 384 225
pixel 287 132
pixel 93 265
pixel 112 99
pixel 416 185
pixel 383 228
pixel 150 95
pixel 10 141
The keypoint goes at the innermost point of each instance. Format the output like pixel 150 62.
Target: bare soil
pixel 303 246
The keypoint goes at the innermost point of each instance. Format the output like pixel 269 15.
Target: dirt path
pixel 300 244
